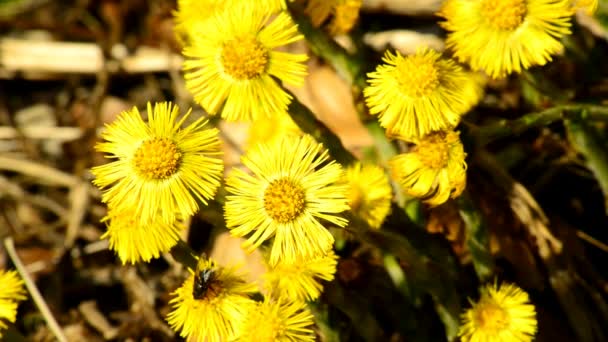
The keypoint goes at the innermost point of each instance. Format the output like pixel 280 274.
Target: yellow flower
pixel 421 93
pixel 278 321
pixel 505 36
pixel 191 17
pixel 160 170
pixel 267 130
pixel 135 241
pixel 233 66
pixel 301 281
pixel 11 291
pixel 211 304
pixel 344 14
pixel 370 193
pixel 503 314
pixel 435 170
pixel 590 6
pixel 291 187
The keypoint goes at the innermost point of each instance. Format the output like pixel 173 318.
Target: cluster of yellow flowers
pixel 289 190
pixel 11 292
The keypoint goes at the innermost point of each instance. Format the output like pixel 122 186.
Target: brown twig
pixel 9 244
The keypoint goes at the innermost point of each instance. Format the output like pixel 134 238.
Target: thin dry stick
pixel 9 244
pixel 591 240
pixel 39 171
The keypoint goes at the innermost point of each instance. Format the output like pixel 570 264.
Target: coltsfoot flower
pixel 301 280
pixel 502 314
pixel 11 292
pixel 134 241
pixel 160 170
pixel 420 93
pixel 191 17
pixel 212 303
pixel 279 320
pixel 344 14
pixel 434 170
pixel 292 186
pixel 505 36
pixel 232 68
pixel 370 193
pixel 268 130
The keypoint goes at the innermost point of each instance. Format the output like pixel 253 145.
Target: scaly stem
pixel 309 124
pixel 586 140
pixel 503 128
pixel 184 255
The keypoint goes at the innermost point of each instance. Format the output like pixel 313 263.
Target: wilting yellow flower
pixel 211 304
pixel 502 314
pixel 370 193
pixel 344 14
pixel 505 36
pixel 135 241
pixel 590 6
pixel 267 130
pixel 291 187
pixel 434 170
pixel 233 66
pixel 160 170
pixel 11 292
pixel 278 321
pixel 301 280
pixel 421 93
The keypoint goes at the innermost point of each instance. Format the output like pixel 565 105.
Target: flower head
pixel 301 280
pixel 191 17
pixel 291 186
pixel 502 314
pixel 160 169
pixel 11 292
pixel 370 193
pixel 435 170
pixel 344 14
pixel 211 304
pixel 267 130
pixel 278 321
pixel 421 93
pixel 233 66
pixel 135 241
pixel 505 36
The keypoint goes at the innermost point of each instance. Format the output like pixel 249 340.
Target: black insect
pixel 202 281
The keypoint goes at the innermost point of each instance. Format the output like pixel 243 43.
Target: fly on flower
pixel 212 303
pixel 205 278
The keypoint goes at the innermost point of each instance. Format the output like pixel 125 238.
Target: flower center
pixel 504 14
pixel 157 158
pixel 491 318
pixel 417 75
pixel 433 151
pixel 284 200
pixel 244 58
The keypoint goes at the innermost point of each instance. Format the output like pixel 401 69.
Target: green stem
pixel 350 68
pixel 325 47
pixel 309 124
pixel 586 140
pixel 504 128
pixel 184 255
